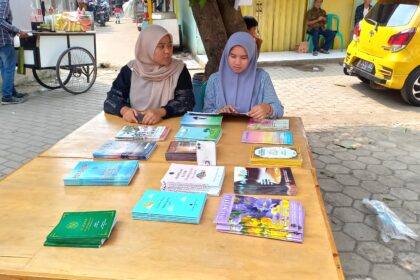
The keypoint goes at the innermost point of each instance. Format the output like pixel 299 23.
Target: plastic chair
pixel 330 21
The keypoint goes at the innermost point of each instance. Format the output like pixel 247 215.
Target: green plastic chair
pixel 330 19
pixel 330 23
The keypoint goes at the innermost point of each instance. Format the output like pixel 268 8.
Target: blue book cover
pixel 189 133
pixel 201 120
pixel 170 206
pixel 102 173
pixel 125 149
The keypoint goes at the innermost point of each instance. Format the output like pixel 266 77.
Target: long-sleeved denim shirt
pixel 7 30
pixel 266 94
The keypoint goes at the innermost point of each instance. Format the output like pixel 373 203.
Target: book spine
pixel 225 208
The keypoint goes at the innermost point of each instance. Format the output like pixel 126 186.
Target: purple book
pixel 264 217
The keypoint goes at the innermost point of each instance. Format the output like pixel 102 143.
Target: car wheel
pixel 364 80
pixel 411 90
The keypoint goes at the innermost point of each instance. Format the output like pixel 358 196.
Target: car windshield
pixel 390 13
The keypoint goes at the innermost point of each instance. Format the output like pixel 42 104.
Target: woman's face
pixel 163 51
pixel 238 59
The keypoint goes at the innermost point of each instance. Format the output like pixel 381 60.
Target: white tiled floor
pixel 289 56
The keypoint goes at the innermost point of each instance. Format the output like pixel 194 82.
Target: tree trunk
pixel 212 31
pixel 232 19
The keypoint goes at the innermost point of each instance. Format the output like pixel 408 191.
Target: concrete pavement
pixel 364 142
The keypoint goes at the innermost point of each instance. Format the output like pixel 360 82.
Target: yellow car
pixel 386 48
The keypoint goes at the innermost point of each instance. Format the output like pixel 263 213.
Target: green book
pixel 82 229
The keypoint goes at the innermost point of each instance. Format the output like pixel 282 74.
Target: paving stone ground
pixel 365 144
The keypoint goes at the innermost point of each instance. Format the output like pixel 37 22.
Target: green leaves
pixel 202 3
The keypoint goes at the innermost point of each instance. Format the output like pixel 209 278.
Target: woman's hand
pixel 261 111
pixel 129 114
pixel 153 116
pixel 227 109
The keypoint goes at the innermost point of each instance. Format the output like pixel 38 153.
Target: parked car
pixel 386 48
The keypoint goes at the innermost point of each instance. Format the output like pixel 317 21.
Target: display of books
pixel 267 137
pixel 263 217
pixel 143 133
pixel 102 173
pixel 181 150
pixel 271 180
pixel 276 156
pixel 269 124
pixel 179 207
pixel 201 120
pixel 193 178
pixel 82 229
pixel 125 150
pixel 189 133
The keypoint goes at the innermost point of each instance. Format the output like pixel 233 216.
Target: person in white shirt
pixel 362 10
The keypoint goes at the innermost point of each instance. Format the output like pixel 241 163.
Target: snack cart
pixel 62 52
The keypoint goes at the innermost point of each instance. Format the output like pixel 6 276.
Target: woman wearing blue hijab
pixel 239 86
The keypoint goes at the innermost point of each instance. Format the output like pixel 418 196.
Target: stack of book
pixel 267 137
pixel 125 150
pixel 204 120
pixel 268 124
pixel 263 217
pixel 102 173
pixel 190 133
pixel 143 133
pixel 193 178
pixel 82 229
pixel 176 207
pixel 276 156
pixel 271 180
pixel 181 150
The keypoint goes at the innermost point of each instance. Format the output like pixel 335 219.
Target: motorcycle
pixel 100 12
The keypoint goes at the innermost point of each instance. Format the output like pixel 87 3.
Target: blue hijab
pixel 239 89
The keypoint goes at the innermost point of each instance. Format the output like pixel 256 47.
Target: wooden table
pixel 89 137
pixel 33 198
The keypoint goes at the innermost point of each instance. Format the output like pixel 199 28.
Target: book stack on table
pixel 181 150
pixel 102 173
pixel 82 229
pixel 276 156
pixel 279 219
pixel 176 207
pixel 265 180
pixel 125 150
pixel 143 133
pixel 193 178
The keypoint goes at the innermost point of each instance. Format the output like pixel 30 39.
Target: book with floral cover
pixel 278 124
pixel 143 133
pixel 267 137
pixel 265 180
pixel 264 217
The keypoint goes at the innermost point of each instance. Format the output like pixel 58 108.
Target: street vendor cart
pixel 61 48
pixel 62 59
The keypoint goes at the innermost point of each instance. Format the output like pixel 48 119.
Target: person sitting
pixel 239 86
pixel 153 85
pixel 361 11
pixel 316 18
pixel 251 26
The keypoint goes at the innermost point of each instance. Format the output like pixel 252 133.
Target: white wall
pixel 21 10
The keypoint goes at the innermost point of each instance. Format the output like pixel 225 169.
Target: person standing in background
pixel 8 55
pixel 362 10
pixel 251 26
